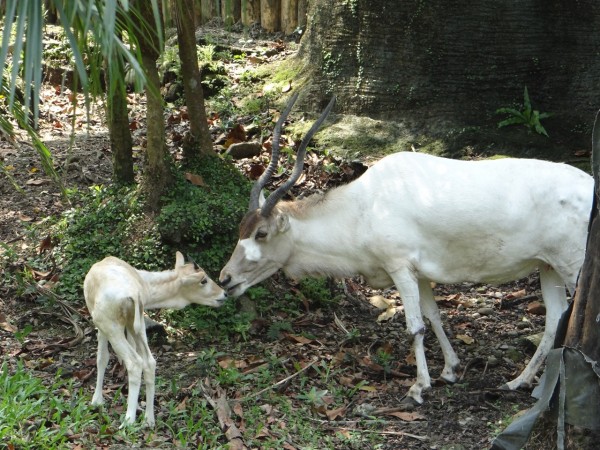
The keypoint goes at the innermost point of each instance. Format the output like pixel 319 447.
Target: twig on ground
pixel 471 363
pixel 285 380
pixel 388 433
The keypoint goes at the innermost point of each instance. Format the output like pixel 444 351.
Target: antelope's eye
pixel 204 281
pixel 260 234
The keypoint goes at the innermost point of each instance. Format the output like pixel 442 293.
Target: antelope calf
pixel 414 218
pixel 117 294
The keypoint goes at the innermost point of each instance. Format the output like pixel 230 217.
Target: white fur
pixel 251 249
pixel 414 218
pixel 116 295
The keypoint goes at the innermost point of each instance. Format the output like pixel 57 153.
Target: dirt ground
pixel 488 325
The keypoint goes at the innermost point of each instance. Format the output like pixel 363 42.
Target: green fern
pixel 529 117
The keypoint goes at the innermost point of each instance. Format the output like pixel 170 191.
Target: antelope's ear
pixel 283 222
pixel 261 199
pixel 179 260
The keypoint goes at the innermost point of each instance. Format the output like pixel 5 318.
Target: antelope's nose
pixel 225 280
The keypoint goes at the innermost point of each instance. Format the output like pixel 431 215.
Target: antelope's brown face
pixel 264 246
pixel 262 250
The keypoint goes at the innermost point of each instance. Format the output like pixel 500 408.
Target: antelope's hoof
pixel 408 403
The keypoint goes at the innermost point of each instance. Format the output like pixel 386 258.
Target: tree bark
pixel 121 143
pixel 157 176
pixel 302 11
pixel 289 16
pixel 250 12
pixel 270 13
pixel 449 65
pixel 583 331
pixel 199 142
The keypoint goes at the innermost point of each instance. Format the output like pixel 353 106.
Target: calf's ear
pixel 179 260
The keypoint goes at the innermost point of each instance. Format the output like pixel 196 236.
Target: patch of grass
pixel 355 137
pixel 33 415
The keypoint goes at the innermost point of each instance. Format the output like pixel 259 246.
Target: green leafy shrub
pixel 319 291
pixel 202 221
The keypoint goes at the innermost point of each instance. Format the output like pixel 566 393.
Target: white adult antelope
pixel 414 218
pixel 117 294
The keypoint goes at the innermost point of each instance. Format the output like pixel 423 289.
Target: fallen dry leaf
pixel 196 180
pixel 387 314
pixel 465 338
pixel 367 388
pixel 8 327
pixel 335 413
pixel 407 416
pixel 517 294
pixel 380 302
pixel 35 181
pixel 299 339
pixel 182 405
pixel 537 308
pixel 228 363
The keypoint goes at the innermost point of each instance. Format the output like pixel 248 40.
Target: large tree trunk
pixel 157 176
pixel 199 141
pixel 447 65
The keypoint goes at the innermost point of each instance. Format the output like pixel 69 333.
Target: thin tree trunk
pixel 120 137
pixel 157 177
pixel 583 331
pixel 199 141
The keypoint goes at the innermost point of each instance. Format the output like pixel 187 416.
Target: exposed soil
pixel 487 324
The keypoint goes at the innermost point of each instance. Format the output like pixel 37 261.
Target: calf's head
pixel 196 286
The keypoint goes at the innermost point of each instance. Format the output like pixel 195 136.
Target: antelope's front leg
pixel 432 313
pixel 408 287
